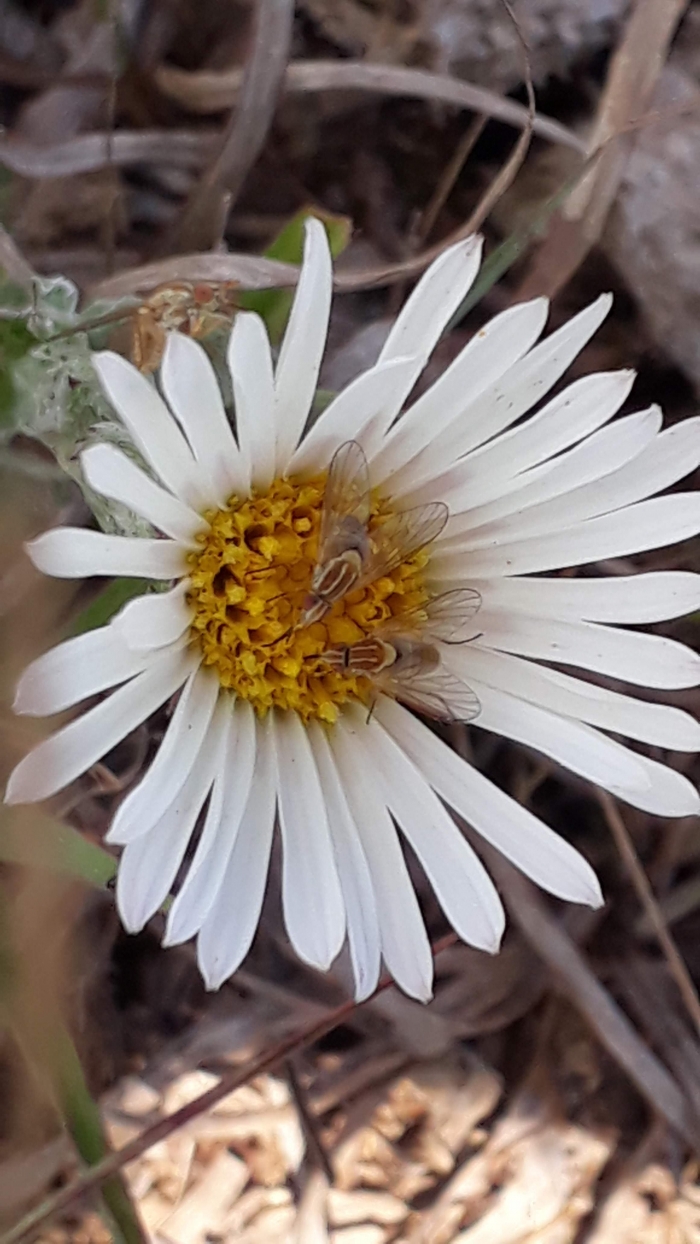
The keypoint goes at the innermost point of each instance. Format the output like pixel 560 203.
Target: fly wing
pixel 447 617
pixel 401 535
pixel 434 692
pixel 346 502
pixel 450 615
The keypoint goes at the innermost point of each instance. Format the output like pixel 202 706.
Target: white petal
pixel 192 390
pixel 647 525
pixel 491 351
pixel 463 887
pixel 524 384
pixel 234 768
pixel 573 414
pixel 647 660
pixel 405 944
pixel 74 553
pixel 153 429
pixel 156 619
pixel 72 750
pixel 542 855
pixel 596 457
pixel 362 412
pixel 312 900
pixel 74 670
pixel 426 313
pixel 658 724
pixel 250 364
pixel 148 866
pixel 579 748
pixel 651 597
pixel 112 474
pixel 666 459
pixel 181 744
pixel 303 345
pixel 229 928
pixel 668 794
pixel 355 879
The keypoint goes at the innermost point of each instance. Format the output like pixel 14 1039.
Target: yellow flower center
pixel 249 580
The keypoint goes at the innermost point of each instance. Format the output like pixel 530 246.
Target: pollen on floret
pixel 249 579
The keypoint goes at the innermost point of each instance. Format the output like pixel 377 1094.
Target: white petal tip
pixel 363 992
pixel 321 961
pixel 14 794
pixel 132 924
pixel 313 227
pixel 492 946
pixel 691 808
pixel 114 838
pixel 474 242
pixel 588 893
pixel 596 901
pixel 133 921
pixel 34 550
pixel 23 785
pixel 22 703
pixel 420 996
pixel 214 980
pixel 104 363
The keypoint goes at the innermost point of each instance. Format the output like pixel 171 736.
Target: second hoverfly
pixel 349 554
pixel 401 659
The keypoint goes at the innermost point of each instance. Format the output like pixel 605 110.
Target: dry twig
pixel 633 74
pixel 210 92
pixel 164 1127
pixel 201 222
pixel 578 983
pixel 640 881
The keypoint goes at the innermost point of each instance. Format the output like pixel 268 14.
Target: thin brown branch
pixel 87 152
pixel 248 271
pixel 449 176
pixel 632 77
pixel 509 171
pixel 163 1128
pixel 653 912
pixel 202 217
pixel 577 982
pixel 210 92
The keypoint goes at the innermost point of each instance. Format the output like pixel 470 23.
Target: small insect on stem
pixel 350 555
pixel 179 306
pixel 401 658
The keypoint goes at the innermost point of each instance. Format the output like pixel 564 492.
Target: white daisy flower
pixel 265 730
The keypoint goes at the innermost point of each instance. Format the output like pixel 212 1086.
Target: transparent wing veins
pixel 346 501
pixel 436 693
pixel 401 535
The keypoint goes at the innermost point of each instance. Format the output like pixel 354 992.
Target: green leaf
pixel 82 1119
pixel 31 837
pixel 518 242
pixel 109 601
pixel 274 304
pixel 15 341
pixel 14 298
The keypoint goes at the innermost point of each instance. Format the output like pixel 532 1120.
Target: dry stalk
pixel 653 912
pixel 229 1081
pixel 201 222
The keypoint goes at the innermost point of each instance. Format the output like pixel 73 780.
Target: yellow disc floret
pixel 249 581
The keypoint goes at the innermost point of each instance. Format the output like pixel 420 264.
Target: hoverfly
pixel 401 660
pixel 193 309
pixel 349 554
